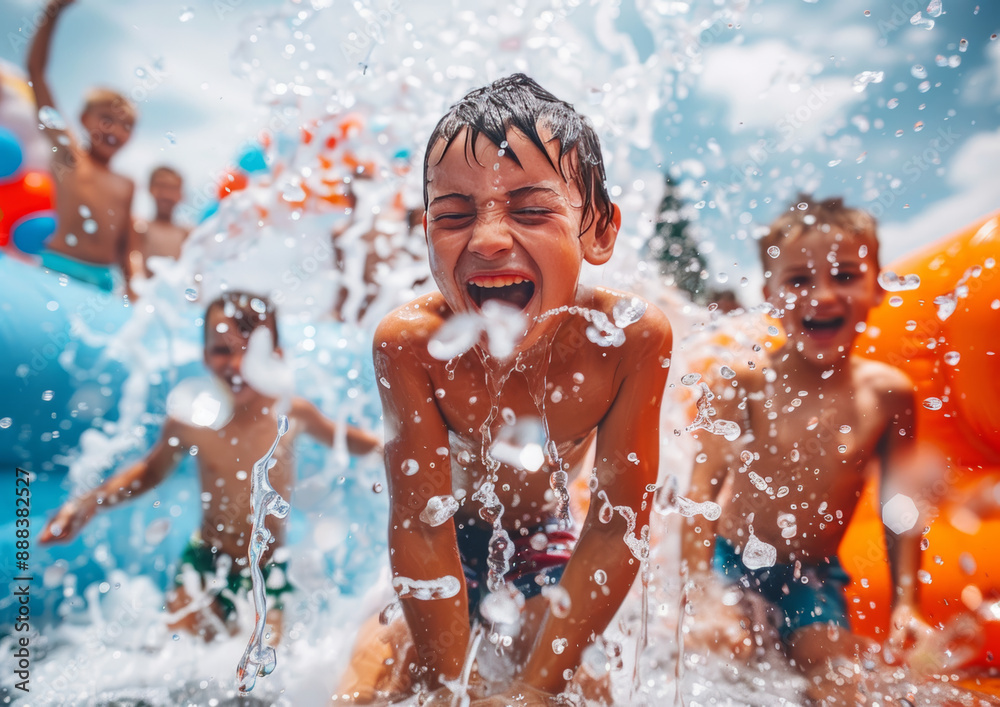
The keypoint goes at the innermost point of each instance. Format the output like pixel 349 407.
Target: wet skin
pixel 514 233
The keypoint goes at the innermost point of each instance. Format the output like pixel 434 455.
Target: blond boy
pixel 814 417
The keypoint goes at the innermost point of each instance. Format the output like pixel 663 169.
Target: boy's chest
pixel 568 404
pixel 812 440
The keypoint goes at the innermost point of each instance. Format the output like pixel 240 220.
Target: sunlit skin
pixel 93 203
pixel 485 227
pixel 816 420
pixel 160 237
pixel 225 459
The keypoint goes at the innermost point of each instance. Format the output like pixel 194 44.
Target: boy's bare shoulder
pixel 412 325
pixel 651 331
pixel 887 382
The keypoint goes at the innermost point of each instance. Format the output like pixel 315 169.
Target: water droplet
pixel 50 118
pixel 892 103
pixel 5 422
pixel 90 226
pixel 190 294
pixel 842 448
pixel 918 126
pixel 933 403
pixel 963 45
pixel 600 577
pixel 774 251
pixel 384 382
pixel 934 8
pixel 559 645
pixel 690 378
pixel 727 372
pixel 758 554
pixel 918 71
pixel 187 14
pixel 47 395
pixel 409 467
pixel 952 358
pixel 862 80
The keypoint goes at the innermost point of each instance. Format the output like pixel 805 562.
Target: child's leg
pixel 205 621
pixel 379 665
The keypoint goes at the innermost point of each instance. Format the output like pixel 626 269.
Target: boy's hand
pixel 907 631
pixel 70 518
pixel 519 694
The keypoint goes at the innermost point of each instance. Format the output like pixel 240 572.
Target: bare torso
pixel 811 447
pixel 572 382
pixel 93 207
pixel 225 465
pixel 160 238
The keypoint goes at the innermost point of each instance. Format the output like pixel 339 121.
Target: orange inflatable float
pixel 945 334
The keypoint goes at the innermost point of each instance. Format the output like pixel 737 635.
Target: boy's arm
pixel 127 244
pixel 901 475
pixel 417 471
pixel 137 479
pixel 324 430
pixel 708 476
pixel 38 60
pixel 630 429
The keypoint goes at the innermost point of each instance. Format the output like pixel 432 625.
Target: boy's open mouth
pixel 512 289
pixel 823 326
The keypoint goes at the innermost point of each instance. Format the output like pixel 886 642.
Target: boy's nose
pixel 490 237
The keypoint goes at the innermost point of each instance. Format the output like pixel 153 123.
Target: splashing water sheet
pixel 368 81
pixel 260 659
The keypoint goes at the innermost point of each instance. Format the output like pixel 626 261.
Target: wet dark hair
pixel 518 102
pixel 248 310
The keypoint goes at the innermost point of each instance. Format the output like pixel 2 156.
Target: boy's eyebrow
pixel 453 195
pixel 533 189
pixel 516 194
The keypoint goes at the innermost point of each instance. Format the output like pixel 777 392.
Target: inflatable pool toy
pixel 943 334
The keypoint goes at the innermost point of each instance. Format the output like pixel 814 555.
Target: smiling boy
pixel 213 566
pixel 93 234
pixel 516 203
pixel 814 416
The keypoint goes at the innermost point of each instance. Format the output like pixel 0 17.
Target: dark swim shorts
pixel 540 556
pixel 204 561
pixel 800 597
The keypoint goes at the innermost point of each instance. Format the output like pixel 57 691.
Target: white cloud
pixel 973 175
pixel 983 85
pixel 769 85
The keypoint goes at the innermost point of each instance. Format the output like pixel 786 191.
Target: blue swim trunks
pixel 103 277
pixel 540 556
pixel 800 595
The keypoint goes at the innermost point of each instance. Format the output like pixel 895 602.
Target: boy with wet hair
pixel 93 234
pixel 814 417
pixel 480 538
pixel 214 566
pixel 160 237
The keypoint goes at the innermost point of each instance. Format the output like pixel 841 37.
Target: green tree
pixel 675 248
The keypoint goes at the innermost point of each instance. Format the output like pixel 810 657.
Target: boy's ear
pixel 600 245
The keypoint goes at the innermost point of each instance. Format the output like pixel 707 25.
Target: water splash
pixel 703 420
pixel 258 659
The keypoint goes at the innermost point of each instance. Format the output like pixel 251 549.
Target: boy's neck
pixel 821 373
pixel 166 218
pixel 98 160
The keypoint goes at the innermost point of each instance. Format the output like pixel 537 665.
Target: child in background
pixel 93 235
pixel 160 237
pixel 516 202
pixel 218 552
pixel 814 417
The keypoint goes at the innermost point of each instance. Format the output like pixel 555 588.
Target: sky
pixel 745 103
